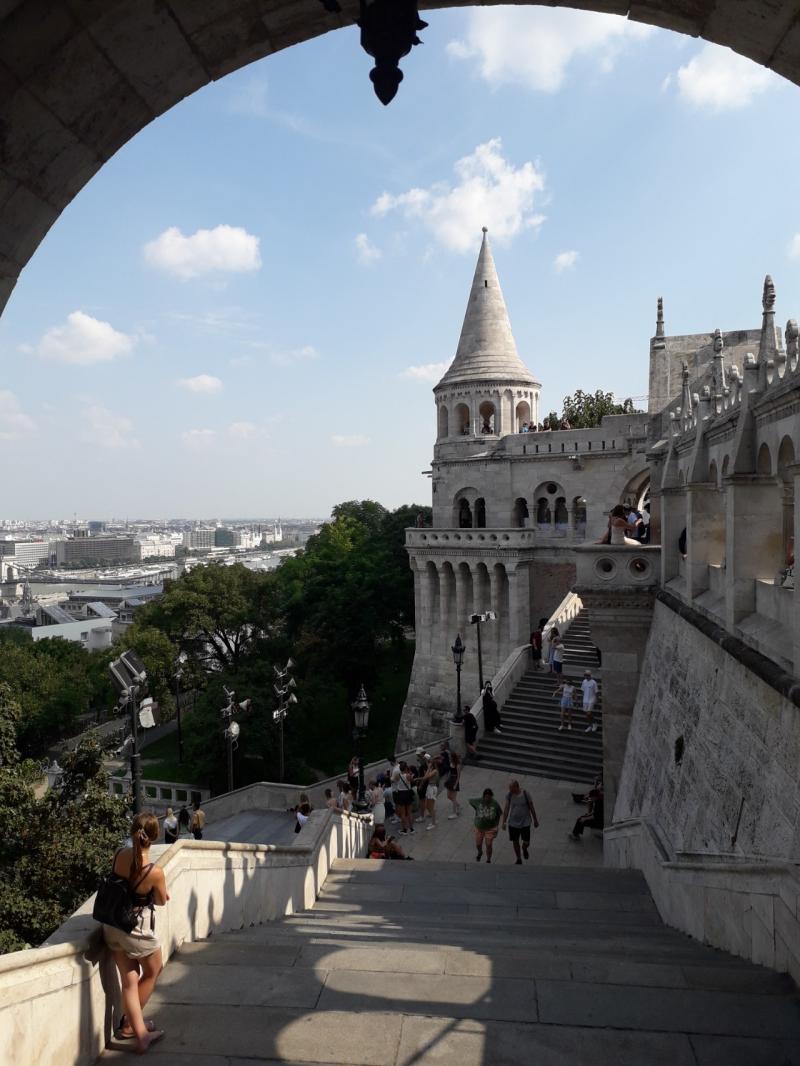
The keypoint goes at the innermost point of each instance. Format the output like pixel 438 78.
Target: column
pixel 673 522
pixel 796 594
pixel 571 519
pixel 703 534
pixel 463 597
pixel 447 590
pixel 519 606
pixel 754 542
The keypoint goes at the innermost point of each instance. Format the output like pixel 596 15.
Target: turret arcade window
pixel 487 417
pixel 461 420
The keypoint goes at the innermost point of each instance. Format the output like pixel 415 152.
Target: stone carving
pixel 791 335
pixel 768 300
pixel 719 343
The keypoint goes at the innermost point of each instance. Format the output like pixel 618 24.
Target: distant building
pixel 19 555
pixel 97 551
pixel 227 538
pixel 155 546
pixel 199 538
pixel 95 528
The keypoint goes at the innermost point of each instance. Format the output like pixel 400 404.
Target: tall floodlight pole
pixel 284 684
pixel 231 728
pixel 129 677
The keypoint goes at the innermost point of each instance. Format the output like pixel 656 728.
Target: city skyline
pixel 203 319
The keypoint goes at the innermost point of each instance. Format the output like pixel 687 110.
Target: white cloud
pixel 489 191
pixel 355 440
pixel 104 428
pixel 13 420
pixel 717 79
pixel 534 48
pixel 794 247
pixel 83 341
pixel 244 431
pixel 294 355
pixel 366 251
pixel 565 261
pixel 224 249
pixel 199 440
pixel 426 372
pixel 205 383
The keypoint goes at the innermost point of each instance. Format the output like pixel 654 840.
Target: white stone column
pixel 519 606
pixel 571 520
pixel 673 522
pixel 463 596
pixel 704 530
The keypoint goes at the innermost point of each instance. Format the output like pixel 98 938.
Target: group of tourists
pixel 183 823
pixel 565 694
pixel 555 648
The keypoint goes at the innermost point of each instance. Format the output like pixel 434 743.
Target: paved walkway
pixel 452 840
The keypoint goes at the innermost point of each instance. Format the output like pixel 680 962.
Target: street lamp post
pixel 283 687
pixel 130 677
pixel 458 659
pixel 231 729
pixel 476 619
pixel 361 710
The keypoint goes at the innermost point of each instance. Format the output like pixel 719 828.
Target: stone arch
pixel 764 461
pixel 444 421
pixel 786 458
pixel 561 513
pixel 521 513
pixel 464 507
pixel 461 419
pixel 579 510
pixel 479 513
pixel 544 502
pixel 713 474
pixel 522 415
pixel 91 79
pixel 726 462
pixel 487 413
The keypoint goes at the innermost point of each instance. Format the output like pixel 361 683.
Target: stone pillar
pixel 796 635
pixel 673 522
pixel 754 542
pixel 519 606
pixel 447 593
pixel 498 606
pixel 703 533
pixel 619 602
pixel 571 520
pixel 463 597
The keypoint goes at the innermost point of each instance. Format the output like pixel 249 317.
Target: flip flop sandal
pixel 119 1035
pixel 155 1036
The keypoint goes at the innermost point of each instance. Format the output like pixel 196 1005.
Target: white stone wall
pixel 741 741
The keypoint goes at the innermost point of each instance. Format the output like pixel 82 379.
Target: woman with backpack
pixel 518 813
pixel 137 953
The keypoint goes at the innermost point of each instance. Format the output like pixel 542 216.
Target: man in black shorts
pixel 518 814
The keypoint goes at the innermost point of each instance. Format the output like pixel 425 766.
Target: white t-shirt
pixel 558 653
pixel 589 688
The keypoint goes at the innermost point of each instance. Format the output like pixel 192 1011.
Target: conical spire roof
pixel 486 349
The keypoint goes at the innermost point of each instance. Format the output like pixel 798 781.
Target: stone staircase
pixel 465 964
pixel 530 742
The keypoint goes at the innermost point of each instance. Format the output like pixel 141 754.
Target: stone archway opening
pixel 80 84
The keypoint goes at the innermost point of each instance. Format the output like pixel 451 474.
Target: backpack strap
pixel 145 872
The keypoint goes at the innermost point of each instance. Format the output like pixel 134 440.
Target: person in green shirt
pixel 487 818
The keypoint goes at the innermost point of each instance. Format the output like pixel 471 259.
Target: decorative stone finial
pixel 768 300
pixel 792 336
pixel 660 317
pixel 484 229
pixel 719 343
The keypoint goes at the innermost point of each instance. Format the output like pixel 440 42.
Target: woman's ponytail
pixel 144 831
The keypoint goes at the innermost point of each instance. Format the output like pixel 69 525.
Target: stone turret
pixel 487 390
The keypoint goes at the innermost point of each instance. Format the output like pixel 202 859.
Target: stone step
pixel 580 769
pixel 567 744
pixel 518 718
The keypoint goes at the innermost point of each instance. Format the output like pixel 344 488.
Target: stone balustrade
pixel 617 567
pixel 56 1000
pixel 456 540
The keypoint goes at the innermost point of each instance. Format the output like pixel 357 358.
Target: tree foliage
pixel 584 410
pixel 54 849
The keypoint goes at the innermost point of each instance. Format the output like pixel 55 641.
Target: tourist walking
pixel 198 822
pixel 137 954
pixel 589 690
pixel 470 732
pixel 377 803
pixel 453 784
pixel 518 814
pixel 487 819
pixel 550 646
pixel 557 655
pixel 170 827
pixel 431 792
pixel 565 693
pixel 491 715
pixel 183 820
pixel 536 644
pixel 403 797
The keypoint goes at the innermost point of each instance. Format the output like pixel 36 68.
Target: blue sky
pixel 243 313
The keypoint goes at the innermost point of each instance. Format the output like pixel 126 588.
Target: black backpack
pixel 115 902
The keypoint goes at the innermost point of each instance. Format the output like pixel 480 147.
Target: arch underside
pixel 78 80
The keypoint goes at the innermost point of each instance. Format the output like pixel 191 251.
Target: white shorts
pixel 431 792
pixel 588 706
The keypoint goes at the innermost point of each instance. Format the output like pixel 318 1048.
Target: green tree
pixel 585 410
pixel 52 850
